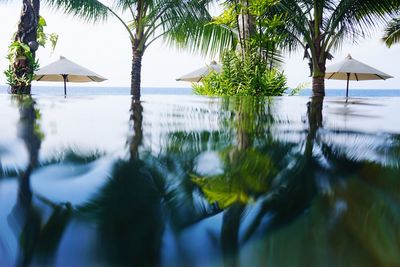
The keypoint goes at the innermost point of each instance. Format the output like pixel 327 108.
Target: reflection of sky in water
pixel 85 138
pixel 101 123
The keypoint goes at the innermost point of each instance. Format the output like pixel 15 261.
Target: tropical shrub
pixel 250 76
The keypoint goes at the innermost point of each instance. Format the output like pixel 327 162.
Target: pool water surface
pixel 195 181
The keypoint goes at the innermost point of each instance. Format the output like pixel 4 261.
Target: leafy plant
pixel 22 62
pixel 243 77
pixel 20 72
pixel 262 31
pixel 43 37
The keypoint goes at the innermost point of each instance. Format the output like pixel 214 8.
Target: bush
pixel 248 77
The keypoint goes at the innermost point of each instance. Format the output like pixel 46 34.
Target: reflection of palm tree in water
pixel 1 167
pixel 129 211
pixel 26 221
pixel 251 113
pixel 286 198
pixel 128 208
pixel 314 113
pixel 292 193
pixel 137 119
pixel 318 169
pixel 233 215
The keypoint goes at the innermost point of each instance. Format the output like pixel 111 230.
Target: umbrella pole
pixel 65 83
pixel 347 89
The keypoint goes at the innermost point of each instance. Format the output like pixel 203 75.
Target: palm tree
pixel 253 25
pixel 149 21
pixel 392 33
pixel 26 34
pixel 22 51
pixel 321 26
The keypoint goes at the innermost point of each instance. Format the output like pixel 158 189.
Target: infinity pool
pixel 194 181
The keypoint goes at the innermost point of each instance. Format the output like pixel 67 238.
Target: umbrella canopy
pixel 351 69
pixel 64 70
pixel 197 75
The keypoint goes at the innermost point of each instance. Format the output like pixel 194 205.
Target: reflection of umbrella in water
pixel 351 69
pixel 64 70
pixel 199 74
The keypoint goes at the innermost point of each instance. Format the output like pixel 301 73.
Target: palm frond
pixel 204 38
pixel 356 19
pixel 126 4
pixel 392 33
pixel 297 27
pixel 89 10
pixel 195 32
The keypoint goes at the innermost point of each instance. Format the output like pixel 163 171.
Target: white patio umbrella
pixel 64 70
pixel 351 69
pixel 197 75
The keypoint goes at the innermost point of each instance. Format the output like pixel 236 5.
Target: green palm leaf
pixel 392 33
pixel 89 10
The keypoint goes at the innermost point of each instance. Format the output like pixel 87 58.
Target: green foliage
pixel 89 10
pixel 248 77
pixel 28 104
pixel 322 26
pixel 53 38
pixel 22 63
pixel 298 88
pixel 20 72
pixel 392 33
pixel 227 17
pixel 266 25
pixel 43 37
pixel 253 72
pixel 240 183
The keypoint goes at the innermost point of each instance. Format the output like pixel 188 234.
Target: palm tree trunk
pixel 27 34
pixel 319 68
pixel 136 73
pixel 318 86
pixel 319 55
pixel 247 26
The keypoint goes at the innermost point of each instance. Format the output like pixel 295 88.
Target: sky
pixel 105 49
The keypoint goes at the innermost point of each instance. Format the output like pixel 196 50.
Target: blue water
pixel 77 91
pixel 191 181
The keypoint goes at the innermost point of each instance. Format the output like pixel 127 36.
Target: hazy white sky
pixel 105 49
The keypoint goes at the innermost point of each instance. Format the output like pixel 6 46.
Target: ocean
pixel 77 91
